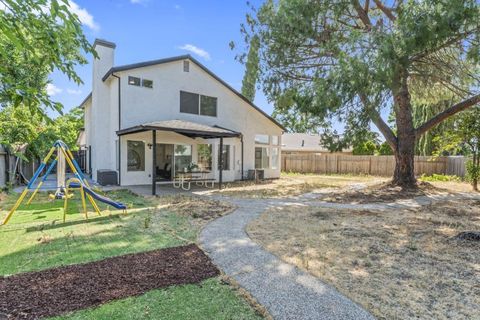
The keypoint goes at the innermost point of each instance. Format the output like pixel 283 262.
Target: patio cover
pixel 186 128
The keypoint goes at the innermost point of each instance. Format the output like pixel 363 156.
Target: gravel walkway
pixel 286 291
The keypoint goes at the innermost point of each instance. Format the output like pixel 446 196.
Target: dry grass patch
pixel 397 264
pixel 290 184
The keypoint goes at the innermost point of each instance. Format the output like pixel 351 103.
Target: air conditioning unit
pixel 107 177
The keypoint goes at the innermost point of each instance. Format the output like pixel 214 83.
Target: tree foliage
pixel 356 58
pixel 465 139
pixel 291 110
pixel 30 136
pixel 333 141
pixel 36 38
pixel 250 78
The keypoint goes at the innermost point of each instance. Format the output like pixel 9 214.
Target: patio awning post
pixel 154 162
pixel 220 164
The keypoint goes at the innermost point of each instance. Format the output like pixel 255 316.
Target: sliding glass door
pixel 183 157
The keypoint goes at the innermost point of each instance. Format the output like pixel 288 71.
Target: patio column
pixel 154 162
pixel 220 164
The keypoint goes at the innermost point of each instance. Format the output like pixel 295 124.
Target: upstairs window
pixel 198 104
pixel 189 102
pixel 208 106
pixel 186 66
pixel 147 83
pixel 133 81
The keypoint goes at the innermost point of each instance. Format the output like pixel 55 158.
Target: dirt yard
pixel 398 264
pixel 296 184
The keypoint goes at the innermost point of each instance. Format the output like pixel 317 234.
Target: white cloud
pixel 85 17
pixel 138 1
pixel 177 7
pixel 196 50
pixel 53 90
pixel 73 91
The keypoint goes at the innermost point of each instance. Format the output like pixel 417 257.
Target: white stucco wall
pixel 141 105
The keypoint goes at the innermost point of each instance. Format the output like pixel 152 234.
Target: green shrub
pixel 473 172
pixel 440 177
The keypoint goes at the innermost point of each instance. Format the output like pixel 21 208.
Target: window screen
pixel 186 66
pixel 133 81
pixel 208 106
pixel 189 102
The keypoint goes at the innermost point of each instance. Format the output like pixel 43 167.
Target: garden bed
pixel 60 290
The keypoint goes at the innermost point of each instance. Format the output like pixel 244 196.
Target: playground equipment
pixel 64 156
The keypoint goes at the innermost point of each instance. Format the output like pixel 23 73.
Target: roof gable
pixel 201 66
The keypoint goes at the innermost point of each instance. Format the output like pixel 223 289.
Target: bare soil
pixel 60 290
pixel 383 192
pixel 398 264
pixel 201 209
pixel 295 184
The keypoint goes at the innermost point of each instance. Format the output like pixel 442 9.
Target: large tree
pixel 362 57
pixel 36 38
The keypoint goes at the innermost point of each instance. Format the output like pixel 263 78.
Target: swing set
pixel 64 156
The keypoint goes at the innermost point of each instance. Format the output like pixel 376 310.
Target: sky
pixel 152 29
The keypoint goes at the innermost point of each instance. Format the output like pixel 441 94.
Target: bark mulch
pixel 60 290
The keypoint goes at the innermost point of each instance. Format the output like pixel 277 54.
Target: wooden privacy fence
pixel 371 165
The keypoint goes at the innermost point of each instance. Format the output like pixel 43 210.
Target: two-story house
pixel 150 120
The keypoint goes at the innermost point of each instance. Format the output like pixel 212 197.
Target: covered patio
pixel 173 128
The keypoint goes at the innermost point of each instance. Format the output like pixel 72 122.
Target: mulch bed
pixel 60 290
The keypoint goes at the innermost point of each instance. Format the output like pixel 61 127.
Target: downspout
pixel 241 141
pixel 119 127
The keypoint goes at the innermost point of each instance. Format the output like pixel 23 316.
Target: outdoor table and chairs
pixel 184 179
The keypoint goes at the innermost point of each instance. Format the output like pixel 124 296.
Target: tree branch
pixel 388 12
pixel 362 14
pixel 378 121
pixel 429 124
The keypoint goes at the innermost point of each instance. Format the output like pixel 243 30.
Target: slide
pixel 100 198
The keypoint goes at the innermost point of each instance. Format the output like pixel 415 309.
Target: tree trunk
pixel 404 174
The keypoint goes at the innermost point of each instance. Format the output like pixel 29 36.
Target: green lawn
pixel 36 238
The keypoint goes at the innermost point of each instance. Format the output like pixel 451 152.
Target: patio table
pixel 183 179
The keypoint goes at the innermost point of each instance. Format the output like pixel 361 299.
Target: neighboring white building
pixel 304 143
pixel 186 109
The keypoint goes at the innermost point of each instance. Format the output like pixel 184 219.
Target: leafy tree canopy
pixel 357 57
pixel 37 37
pixel 30 136
pixel 291 110
pixel 465 139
